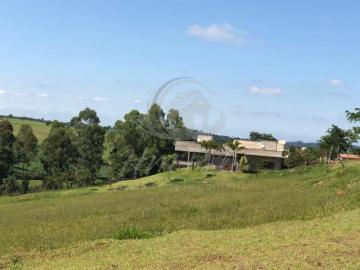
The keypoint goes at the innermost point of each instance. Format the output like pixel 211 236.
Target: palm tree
pixel 217 147
pixel 234 146
pixel 207 146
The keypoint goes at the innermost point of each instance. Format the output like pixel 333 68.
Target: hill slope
pixel 200 218
pixel 40 129
pixel 327 243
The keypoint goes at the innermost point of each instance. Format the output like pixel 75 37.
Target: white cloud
pixel 137 101
pixel 43 95
pixel 2 92
pixel 265 91
pixel 218 32
pixel 100 99
pixel 336 82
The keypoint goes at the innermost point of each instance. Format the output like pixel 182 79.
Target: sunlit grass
pixel 48 220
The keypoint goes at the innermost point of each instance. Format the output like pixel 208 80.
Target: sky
pixel 290 68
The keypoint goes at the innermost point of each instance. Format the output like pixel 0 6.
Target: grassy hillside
pixel 195 218
pixel 40 129
pixel 327 243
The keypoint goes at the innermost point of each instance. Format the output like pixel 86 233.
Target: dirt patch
pixel 340 193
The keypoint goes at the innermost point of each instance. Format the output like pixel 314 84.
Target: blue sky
pixel 290 68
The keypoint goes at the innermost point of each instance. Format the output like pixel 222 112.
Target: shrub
pixel 244 165
pixel 150 184
pixel 176 180
pixel 10 185
pixel 121 187
pixel 134 233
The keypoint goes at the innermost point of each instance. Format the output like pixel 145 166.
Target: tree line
pixel 73 153
pixel 336 141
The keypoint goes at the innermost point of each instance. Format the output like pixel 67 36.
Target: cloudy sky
pixel 286 67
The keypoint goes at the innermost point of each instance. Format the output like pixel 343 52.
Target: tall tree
pixel 159 142
pixel 7 140
pixel 337 141
pixel 126 143
pixel 25 146
pixel 354 117
pixel 175 124
pixel 138 144
pixel 207 145
pixel 58 155
pixel 235 146
pixel 89 140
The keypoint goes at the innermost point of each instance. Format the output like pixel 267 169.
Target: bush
pixel 121 187
pixel 83 177
pixel 244 165
pixel 176 180
pixel 134 233
pixel 10 185
pixel 54 181
pixel 150 184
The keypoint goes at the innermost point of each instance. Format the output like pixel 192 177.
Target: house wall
pixel 225 162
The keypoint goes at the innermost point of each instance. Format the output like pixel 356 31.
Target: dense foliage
pixel 139 143
pixel 256 136
pixel 7 140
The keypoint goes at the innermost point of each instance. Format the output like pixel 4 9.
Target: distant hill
pixel 303 144
pixel 41 127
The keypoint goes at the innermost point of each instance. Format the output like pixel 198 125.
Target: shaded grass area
pixel 326 243
pixel 48 220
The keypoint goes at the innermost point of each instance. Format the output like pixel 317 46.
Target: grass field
pixel 40 129
pixel 303 218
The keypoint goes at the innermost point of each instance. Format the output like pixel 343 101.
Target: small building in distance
pixel 204 138
pixel 349 157
pixel 264 154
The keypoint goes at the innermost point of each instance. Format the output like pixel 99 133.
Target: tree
pixel 256 136
pixel 159 141
pixel 89 140
pixel 301 156
pixel 354 117
pixel 207 146
pixel 58 155
pixel 10 186
pixel 137 145
pixel 126 144
pixel 337 141
pixel 7 140
pixel 216 147
pixel 25 146
pixel 234 146
pixel 175 124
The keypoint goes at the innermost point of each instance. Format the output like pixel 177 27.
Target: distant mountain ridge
pixel 303 144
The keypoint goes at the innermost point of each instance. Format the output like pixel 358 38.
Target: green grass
pixel 216 221
pixel 40 129
pixel 327 243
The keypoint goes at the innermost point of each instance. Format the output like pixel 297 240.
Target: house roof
pixel 349 156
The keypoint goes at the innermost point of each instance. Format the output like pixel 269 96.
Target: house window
pixel 269 165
